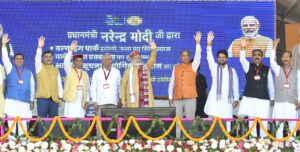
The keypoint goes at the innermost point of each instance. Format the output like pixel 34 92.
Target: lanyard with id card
pixel 20 81
pixel 286 84
pixel 106 84
pixel 79 87
pixel 257 76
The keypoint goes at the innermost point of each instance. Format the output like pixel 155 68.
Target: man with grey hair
pixel 250 27
pixel 105 87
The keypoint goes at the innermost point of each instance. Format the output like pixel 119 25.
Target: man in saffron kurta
pixel 136 82
pixel 49 88
pixel 76 89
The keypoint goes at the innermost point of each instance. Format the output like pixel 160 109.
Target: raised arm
pixel 275 67
pixel 210 57
pixel 5 59
pixel 152 58
pixel 245 63
pixel 67 60
pixel 38 55
pixel 271 85
pixel 197 57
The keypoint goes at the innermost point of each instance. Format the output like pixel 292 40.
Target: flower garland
pixel 131 119
pixel 138 145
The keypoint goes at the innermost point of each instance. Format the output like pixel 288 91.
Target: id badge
pixel 20 81
pixel 257 77
pixel 286 85
pixel 79 87
pixel 105 86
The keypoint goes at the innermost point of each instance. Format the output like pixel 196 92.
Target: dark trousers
pixel 46 108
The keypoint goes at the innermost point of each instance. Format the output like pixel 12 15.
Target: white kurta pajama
pixel 255 107
pixel 74 108
pixel 221 107
pixel 284 110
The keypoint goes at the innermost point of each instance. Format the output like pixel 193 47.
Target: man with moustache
pixel 182 87
pixel 224 93
pixel 250 27
pixel 49 88
pixel 20 88
pixel 136 90
pixel 287 89
pixel 259 89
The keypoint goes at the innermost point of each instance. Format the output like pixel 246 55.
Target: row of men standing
pixel 137 89
pixel 105 89
pixel 259 95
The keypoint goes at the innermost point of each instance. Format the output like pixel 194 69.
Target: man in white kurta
pixel 76 108
pixel 255 105
pixel 287 89
pixel 14 106
pixel 105 86
pixel 226 82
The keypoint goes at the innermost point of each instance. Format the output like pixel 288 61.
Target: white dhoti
pixel 284 110
pixel 15 108
pixel 221 109
pixel 74 109
pixel 254 107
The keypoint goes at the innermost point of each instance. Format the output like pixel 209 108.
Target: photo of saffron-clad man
pixel 250 27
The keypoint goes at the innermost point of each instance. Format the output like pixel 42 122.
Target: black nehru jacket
pixel 257 88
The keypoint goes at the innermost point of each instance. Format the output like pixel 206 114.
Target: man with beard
pixel 182 87
pixel 287 89
pixel 136 90
pixel 259 89
pixel 224 93
pixel 250 27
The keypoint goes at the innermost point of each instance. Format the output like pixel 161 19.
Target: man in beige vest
pixel 182 87
pixel 133 94
pixel 77 85
pixel 287 89
pixel 49 88
pixel 250 27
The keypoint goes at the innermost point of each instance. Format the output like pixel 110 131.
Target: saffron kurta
pixel 125 91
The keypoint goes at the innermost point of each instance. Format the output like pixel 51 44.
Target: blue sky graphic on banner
pixel 120 27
